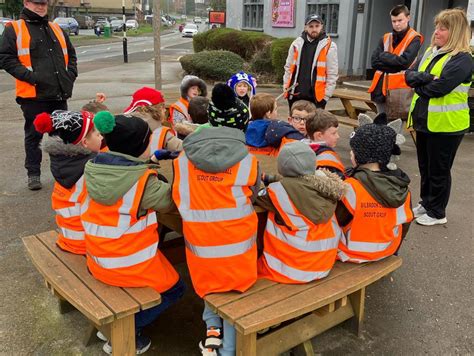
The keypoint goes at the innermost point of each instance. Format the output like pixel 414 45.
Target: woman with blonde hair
pixel 439 110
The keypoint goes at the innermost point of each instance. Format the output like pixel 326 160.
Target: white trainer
pixel 418 211
pixel 101 336
pixel 427 220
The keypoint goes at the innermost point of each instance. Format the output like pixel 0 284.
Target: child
pixel 322 129
pixel 96 105
pixel 214 183
pixel 197 110
pixel 72 142
pixel 375 213
pixel 191 86
pixel 149 105
pixel 119 218
pixel 265 134
pixel 302 235
pixel 299 112
pixel 244 85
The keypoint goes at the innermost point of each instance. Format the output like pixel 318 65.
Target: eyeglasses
pixel 298 119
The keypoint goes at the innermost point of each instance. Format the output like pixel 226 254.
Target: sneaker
pixel 427 220
pixel 34 183
pixel 213 338
pixel 101 336
pixel 142 344
pixel 207 351
pixel 418 211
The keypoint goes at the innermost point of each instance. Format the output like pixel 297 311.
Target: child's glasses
pixel 298 119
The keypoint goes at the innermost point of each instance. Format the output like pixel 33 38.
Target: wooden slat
pixel 317 296
pixel 301 330
pixel 66 283
pixel 117 300
pixel 246 345
pixel 247 305
pixel 352 95
pixel 146 297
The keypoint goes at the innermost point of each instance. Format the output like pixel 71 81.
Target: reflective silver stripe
pixel 462 89
pixel 72 234
pixel 192 215
pixel 70 212
pixel 350 196
pixel 368 246
pixel 291 272
pixel 425 57
pixel 65 51
pixel 79 187
pixel 326 157
pixel 401 215
pixel 113 232
pixel 126 261
pixel 23 51
pixel 85 205
pixel 219 251
pixel 321 64
pixel 344 258
pixel 387 43
pixel 184 109
pixel 320 79
pixel 448 108
pixel 155 140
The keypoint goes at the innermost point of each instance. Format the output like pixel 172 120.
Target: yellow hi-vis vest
pixel 449 113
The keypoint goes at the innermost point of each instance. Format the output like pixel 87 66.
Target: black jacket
pixel 305 86
pixel 391 63
pixel 456 71
pixel 49 75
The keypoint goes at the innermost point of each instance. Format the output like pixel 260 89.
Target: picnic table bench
pixel 350 99
pixel 109 309
pixel 298 312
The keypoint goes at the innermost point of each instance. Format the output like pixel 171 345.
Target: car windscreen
pixel 191 27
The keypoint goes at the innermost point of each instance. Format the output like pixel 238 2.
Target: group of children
pixel 107 192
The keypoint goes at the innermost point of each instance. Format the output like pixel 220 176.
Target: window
pixel 329 13
pixel 253 14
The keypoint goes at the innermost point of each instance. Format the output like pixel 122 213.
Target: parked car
pixel 68 24
pixel 197 19
pixel 84 21
pixel 165 22
pixel 131 24
pixel 116 25
pixel 190 30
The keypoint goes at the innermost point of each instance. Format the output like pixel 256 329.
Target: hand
pixel 160 155
pixel 100 97
pixel 269 178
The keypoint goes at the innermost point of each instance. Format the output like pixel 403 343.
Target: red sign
pixel 217 17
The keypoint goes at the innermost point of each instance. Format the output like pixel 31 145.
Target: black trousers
pixel 436 154
pixel 30 109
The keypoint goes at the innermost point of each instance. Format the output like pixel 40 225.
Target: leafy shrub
pixel 279 53
pixel 213 65
pixel 262 61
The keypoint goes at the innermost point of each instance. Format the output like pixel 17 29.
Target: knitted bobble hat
pixel 145 96
pixel 226 110
pixel 374 143
pixel 245 78
pixel 70 126
pixel 124 134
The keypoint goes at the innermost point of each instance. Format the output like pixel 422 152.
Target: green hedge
pixel 262 61
pixel 279 51
pixel 243 43
pixel 213 65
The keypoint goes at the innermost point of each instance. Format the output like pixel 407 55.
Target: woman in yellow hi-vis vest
pixel 439 111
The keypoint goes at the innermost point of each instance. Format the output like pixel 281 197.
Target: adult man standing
pixel 311 68
pixel 42 59
pixel 396 52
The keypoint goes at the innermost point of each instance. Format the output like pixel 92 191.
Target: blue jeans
pixel 168 298
pixel 212 319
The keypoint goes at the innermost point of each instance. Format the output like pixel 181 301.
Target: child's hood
pixel 315 196
pixel 389 188
pixel 214 149
pixel 110 175
pixel 255 134
pixel 67 160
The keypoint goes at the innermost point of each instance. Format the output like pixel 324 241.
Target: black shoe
pixel 34 183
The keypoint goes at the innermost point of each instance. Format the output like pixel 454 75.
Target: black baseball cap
pixel 313 17
pixel 39 1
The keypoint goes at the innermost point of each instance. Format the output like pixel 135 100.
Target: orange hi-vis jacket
pixel 67 205
pixel 329 158
pixel 157 138
pixel 394 80
pixel 23 39
pixel 182 106
pixel 268 150
pixel 320 62
pixel 375 231
pixel 219 224
pixel 122 247
pixel 298 251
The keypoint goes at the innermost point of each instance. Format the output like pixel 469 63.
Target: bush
pixel 214 65
pixel 262 61
pixel 279 53
pixel 243 43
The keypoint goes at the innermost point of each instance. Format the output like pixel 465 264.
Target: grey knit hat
pixel 374 143
pixel 190 81
pixel 296 159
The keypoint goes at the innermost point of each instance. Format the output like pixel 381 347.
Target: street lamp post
pixel 124 29
pixel 157 42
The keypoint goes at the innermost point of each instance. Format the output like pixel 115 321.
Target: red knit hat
pixel 145 96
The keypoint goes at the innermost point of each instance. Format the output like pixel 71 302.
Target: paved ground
pixel 425 307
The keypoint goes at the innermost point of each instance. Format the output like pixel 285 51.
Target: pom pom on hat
pixel 43 123
pixel 104 122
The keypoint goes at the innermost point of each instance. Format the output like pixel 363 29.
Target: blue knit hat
pixel 243 77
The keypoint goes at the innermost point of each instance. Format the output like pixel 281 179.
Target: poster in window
pixel 283 13
pixel 217 17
